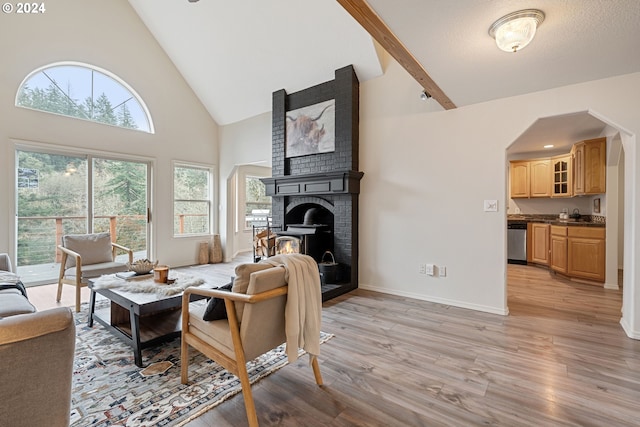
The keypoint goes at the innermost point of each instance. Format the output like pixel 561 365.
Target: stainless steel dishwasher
pixel 517 243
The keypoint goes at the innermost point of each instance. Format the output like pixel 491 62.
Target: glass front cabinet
pixel 562 185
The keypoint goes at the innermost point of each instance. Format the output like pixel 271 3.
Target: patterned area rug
pixel 110 390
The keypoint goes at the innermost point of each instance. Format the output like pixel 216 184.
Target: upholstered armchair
pixel 87 256
pixel 254 324
pixel 36 355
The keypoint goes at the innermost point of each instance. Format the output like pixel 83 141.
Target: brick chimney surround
pixel 329 182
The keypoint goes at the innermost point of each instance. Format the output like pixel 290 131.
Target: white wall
pixel 107 34
pixel 243 143
pixel 426 176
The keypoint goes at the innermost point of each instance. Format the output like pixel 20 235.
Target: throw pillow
pixel 215 308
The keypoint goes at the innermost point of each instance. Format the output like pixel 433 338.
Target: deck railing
pixel 39 236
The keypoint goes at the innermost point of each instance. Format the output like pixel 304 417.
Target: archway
pixel 574 128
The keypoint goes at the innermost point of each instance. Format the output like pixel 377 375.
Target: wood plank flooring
pixel 559 359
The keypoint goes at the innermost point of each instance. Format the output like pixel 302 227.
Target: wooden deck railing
pixel 113 225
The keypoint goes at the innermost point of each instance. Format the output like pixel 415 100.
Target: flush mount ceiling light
pixel 516 30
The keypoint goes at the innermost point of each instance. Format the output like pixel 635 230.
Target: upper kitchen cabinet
pixel 561 176
pixel 519 179
pixel 530 178
pixel 540 173
pixel 590 166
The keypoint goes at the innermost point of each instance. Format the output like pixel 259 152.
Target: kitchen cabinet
pixel 589 166
pixel 540 243
pixel 586 253
pixel 540 178
pixel 561 176
pixel 530 178
pixel 558 248
pixel 519 179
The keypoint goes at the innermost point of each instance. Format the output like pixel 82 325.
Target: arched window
pixel 85 92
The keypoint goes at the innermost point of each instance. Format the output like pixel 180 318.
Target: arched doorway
pixel 560 132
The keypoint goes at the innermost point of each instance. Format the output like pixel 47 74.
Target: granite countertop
pixel 584 221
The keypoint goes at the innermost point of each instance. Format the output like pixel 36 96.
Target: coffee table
pixel 140 319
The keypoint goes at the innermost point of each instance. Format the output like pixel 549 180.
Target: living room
pixel 427 171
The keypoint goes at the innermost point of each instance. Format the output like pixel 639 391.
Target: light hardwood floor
pixel 560 358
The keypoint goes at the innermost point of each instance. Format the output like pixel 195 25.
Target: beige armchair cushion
pixel 95 270
pixel 215 333
pixel 241 282
pixel 93 248
pixel 255 339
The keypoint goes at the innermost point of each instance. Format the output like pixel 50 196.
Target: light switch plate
pixel 491 206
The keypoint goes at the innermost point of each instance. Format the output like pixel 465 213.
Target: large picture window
pixel 193 200
pixel 85 92
pixel 61 193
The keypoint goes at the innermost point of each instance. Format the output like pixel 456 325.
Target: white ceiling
pixel 234 54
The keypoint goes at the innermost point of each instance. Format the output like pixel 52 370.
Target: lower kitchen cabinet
pixel 540 243
pixel 586 253
pixel 558 247
pixel 575 251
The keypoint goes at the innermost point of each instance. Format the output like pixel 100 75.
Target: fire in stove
pixel 287 245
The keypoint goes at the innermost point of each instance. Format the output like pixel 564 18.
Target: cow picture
pixel 311 129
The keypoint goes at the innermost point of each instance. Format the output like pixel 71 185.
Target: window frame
pixel 247 176
pixel 92 68
pixel 211 200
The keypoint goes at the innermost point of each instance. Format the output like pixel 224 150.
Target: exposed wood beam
pixel 370 21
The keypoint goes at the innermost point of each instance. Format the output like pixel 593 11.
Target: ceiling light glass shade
pixel 516 30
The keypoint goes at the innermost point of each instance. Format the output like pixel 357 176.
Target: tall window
pixel 193 198
pixel 85 92
pixel 257 205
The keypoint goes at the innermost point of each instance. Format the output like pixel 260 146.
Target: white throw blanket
pixel 182 282
pixel 6 277
pixel 303 312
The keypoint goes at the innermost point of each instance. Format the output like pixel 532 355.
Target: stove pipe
pixel 310 216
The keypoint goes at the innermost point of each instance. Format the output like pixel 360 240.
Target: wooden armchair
pixel 86 256
pixel 255 325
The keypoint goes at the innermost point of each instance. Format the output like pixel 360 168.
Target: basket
pixel 328 269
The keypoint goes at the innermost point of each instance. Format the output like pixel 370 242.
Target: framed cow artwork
pixel 311 129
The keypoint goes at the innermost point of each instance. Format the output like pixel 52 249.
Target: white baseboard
pixel 455 303
pixel 629 330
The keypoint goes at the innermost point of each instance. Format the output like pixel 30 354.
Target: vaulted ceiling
pixel 234 54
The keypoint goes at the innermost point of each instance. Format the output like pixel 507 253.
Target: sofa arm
pixel 5 263
pixel 36 355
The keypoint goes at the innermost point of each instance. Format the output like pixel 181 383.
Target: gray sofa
pixel 36 356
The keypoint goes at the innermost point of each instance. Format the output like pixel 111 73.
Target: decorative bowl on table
pixel 142 266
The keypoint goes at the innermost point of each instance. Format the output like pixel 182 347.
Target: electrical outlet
pixel 430 269
pixel 442 271
pixel 422 269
